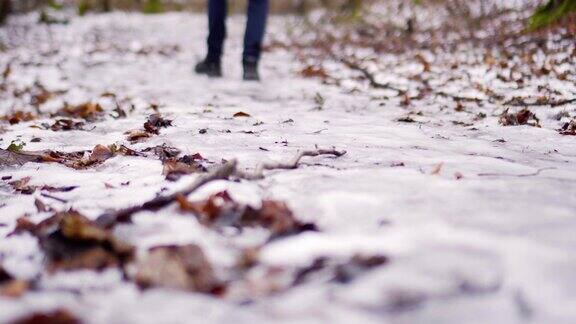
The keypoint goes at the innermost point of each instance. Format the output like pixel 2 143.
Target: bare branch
pixel 223 172
pixel 369 76
pixel 293 164
pixel 520 102
pixel 516 175
pixel 121 216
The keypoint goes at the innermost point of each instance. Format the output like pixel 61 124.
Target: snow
pixel 505 231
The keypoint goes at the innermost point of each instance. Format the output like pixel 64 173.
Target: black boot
pixel 209 67
pixel 251 70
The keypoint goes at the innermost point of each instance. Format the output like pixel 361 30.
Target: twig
pixel 515 175
pixel 519 102
pixel 54 197
pixel 369 76
pixel 121 216
pixel 293 164
pixel 457 98
pixel 223 172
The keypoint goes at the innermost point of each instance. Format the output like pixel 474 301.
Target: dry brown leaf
pixel 425 64
pixel 14 288
pixel 65 125
pixel 175 168
pixel 137 135
pixel 10 286
pixel 241 114
pixel 18 117
pixel 41 206
pixel 178 267
pixel 437 169
pixel 71 241
pixel 569 128
pixel 155 122
pixel 22 186
pixel 59 316
pixel 221 210
pixel 163 152
pixel 312 71
pixel 100 153
pixel 522 117
pixel 88 111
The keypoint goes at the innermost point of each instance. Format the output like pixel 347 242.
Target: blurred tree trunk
pixel 5 9
pixel 106 5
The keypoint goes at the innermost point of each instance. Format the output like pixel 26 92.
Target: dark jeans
pixel 255 28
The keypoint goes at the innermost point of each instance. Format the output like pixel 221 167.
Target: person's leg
pixel 255 31
pixel 217 33
pixel 217 10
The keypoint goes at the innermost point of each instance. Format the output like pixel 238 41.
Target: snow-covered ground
pixel 477 222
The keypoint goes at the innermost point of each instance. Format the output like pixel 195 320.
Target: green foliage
pixel 16 146
pixel 83 7
pixel 349 12
pixel 354 7
pixel 55 5
pixel 153 7
pixel 49 17
pixel 551 12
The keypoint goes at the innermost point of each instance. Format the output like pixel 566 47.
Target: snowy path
pixel 496 246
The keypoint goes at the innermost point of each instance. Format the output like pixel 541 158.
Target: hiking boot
pixel 211 68
pixel 251 70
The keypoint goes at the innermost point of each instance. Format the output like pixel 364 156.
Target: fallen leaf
pixel 18 117
pixel 10 286
pixel 178 267
pixel 437 169
pixel 312 71
pixel 569 128
pixel 174 169
pixel 155 122
pixel 71 241
pixel 221 210
pixel 88 111
pixel 137 135
pixel 16 147
pixel 522 117
pixel 163 152
pixel 14 288
pixel 65 125
pixel 22 186
pixel 41 206
pixel 7 71
pixel 241 114
pixel 9 158
pixel 406 119
pixel 59 316
pixel 425 64
pixel 100 153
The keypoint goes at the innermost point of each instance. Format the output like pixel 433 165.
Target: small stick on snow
pixel 222 172
pixel 258 174
pixel 64 201
pixel 369 76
